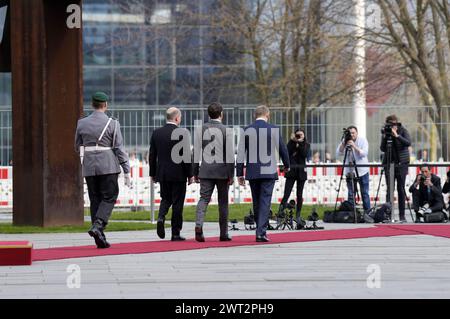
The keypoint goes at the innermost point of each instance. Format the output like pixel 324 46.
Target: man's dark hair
pixel 425 165
pixel 214 110
pixel 392 118
pixel 97 104
pixel 352 126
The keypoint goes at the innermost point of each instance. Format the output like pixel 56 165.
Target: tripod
pixel 286 218
pixel 389 168
pixel 354 180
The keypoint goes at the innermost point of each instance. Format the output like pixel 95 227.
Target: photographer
pixel 298 148
pixel 358 149
pixel 393 132
pixel 427 193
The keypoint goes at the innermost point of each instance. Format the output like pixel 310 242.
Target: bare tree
pixel 419 33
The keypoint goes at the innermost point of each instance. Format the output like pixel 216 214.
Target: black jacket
pixel 162 166
pixel 446 188
pixel 436 191
pixel 400 152
pixel 298 152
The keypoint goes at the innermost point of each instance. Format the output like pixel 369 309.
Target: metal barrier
pixel 323 126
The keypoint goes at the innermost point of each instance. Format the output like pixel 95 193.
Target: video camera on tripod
pixel 387 128
pixel 346 135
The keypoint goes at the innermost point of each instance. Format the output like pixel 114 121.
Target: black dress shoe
pixel 160 229
pixel 199 235
pixel 225 238
pixel 96 232
pixel 262 239
pixel 107 245
pixel 177 238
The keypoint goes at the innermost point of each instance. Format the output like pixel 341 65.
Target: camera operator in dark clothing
pixel 427 193
pixel 298 148
pixel 393 132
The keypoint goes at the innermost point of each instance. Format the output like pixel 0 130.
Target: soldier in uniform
pixel 99 141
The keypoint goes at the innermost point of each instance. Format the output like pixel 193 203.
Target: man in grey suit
pixel 216 169
pixel 99 141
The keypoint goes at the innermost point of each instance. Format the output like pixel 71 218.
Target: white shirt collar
pixel 262 119
pixel 169 122
pixel 216 120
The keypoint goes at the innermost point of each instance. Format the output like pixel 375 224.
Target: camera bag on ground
pixel 378 214
pixel 435 217
pixel 328 216
pixel 346 206
pixel 348 217
pixel 342 216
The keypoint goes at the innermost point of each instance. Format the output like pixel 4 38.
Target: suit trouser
pixel 103 192
pixel 419 201
pixel 206 190
pixel 173 194
pixel 262 196
pixel 287 192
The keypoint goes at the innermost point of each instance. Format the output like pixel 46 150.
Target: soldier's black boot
pixel 96 232
pixel 106 242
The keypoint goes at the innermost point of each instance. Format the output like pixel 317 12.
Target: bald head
pixel 262 111
pixel 173 114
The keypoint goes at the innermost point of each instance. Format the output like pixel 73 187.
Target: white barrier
pixel 321 187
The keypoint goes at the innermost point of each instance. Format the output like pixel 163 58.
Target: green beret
pixel 100 97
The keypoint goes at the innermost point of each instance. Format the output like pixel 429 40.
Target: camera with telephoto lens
pixel 387 128
pixel 346 135
pixel 422 178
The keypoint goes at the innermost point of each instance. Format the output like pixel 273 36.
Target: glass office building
pixel 154 53
pixel 150 54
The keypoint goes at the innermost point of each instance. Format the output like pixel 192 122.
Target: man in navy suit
pixel 258 146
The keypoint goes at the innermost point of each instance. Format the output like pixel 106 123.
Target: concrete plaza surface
pixel 410 266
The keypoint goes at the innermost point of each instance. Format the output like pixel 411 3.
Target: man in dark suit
pixel 171 166
pixel 258 146
pixel 427 193
pixel 214 146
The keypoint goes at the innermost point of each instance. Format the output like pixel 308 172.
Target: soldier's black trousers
pixel 103 192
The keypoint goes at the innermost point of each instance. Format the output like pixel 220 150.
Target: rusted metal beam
pixel 46 104
pixel 5 43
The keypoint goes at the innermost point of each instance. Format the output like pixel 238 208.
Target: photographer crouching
pixel 358 149
pixel 446 188
pixel 396 137
pixel 427 193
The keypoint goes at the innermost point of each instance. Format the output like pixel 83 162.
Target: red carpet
pixel 247 240
pixel 440 230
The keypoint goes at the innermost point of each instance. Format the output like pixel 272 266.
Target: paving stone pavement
pixel 413 266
